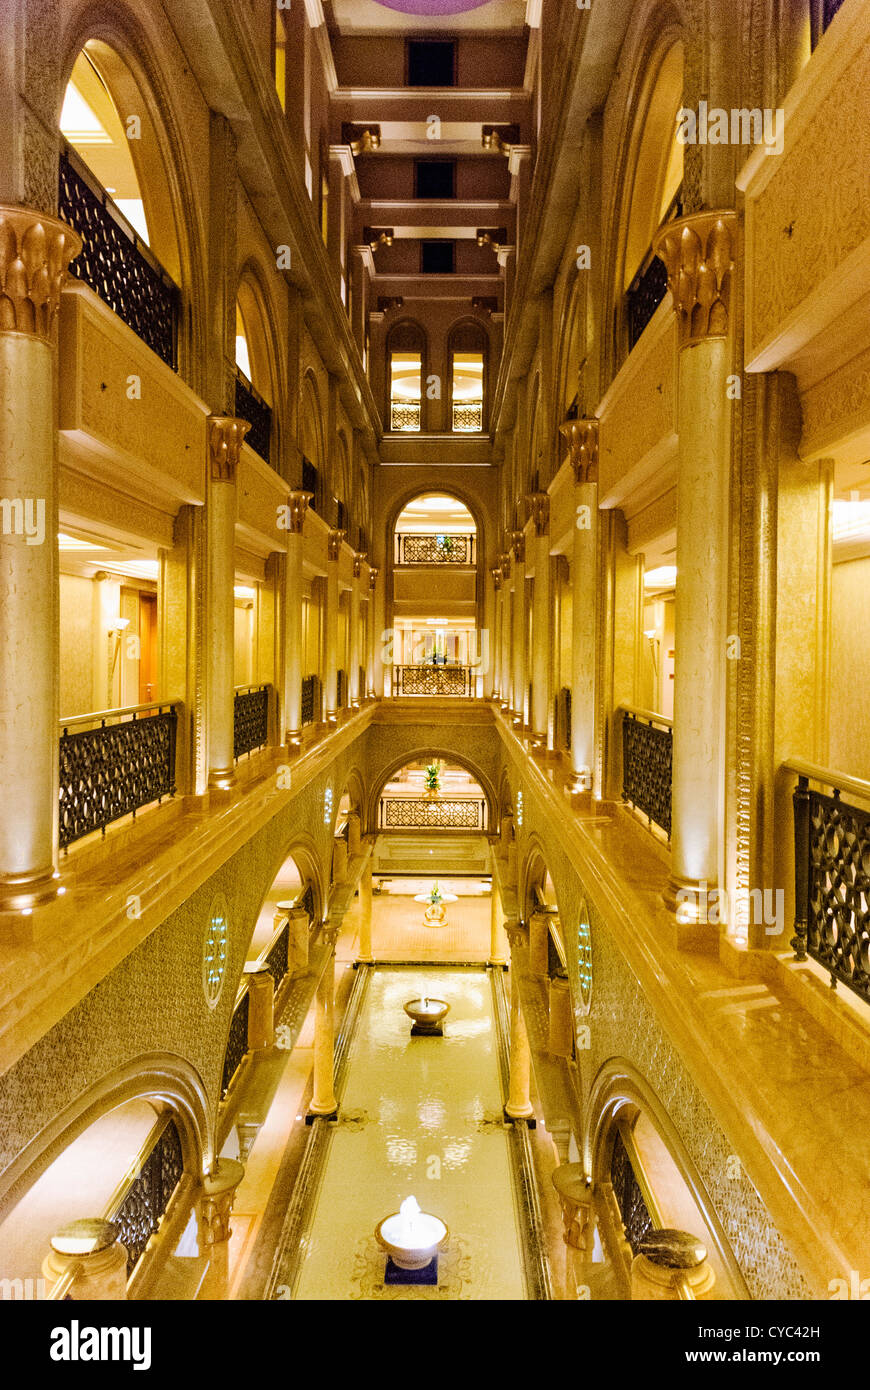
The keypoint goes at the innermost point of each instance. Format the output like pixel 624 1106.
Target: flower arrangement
pixel 435 896
pixel 432 780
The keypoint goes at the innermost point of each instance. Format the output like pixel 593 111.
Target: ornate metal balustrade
pixel 563 718
pixel 311 483
pixel 443 813
pixel 832 878
pixel 405 415
pixel 250 406
pixel 278 956
pixel 306 900
pixel 250 719
pixel 435 550
pixel 237 1042
pixel 341 689
pixel 362 683
pixel 114 769
pixel 140 1209
pixel 467 417
pixel 647 755
pixel 311 700
pixel 116 263
pixel 650 285
pixel 633 1209
pixel 433 680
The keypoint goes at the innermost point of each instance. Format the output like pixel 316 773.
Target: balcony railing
pixel 647 757
pixel 832 887
pixel 433 680
pixel 250 406
pixel 237 1041
pixel 562 715
pixel 277 960
pixel 405 416
pixel 116 263
pixel 467 417
pixel 142 1204
pixel 311 700
pixel 341 689
pixel 311 483
pixel 250 719
pixel 441 813
pixel 650 285
pixel 435 550
pixel 112 764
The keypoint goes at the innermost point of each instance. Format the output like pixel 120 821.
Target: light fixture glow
pixel 664 577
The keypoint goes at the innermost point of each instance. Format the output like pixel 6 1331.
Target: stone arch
pixel 620 1091
pixel 132 48
pixel 533 873
pixel 304 850
pixel 255 301
pixel 158 1077
pixel 406 334
pixel 419 754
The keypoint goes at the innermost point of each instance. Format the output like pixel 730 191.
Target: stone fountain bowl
pixel 430 1235
pixel 435 1012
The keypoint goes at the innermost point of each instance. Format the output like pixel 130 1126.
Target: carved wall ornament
pixel 373 578
pixel 359 560
pixel 496 577
pixel 519 546
pixel 35 252
pixel 226 435
pixel 333 544
pixel 581 437
pixel 506 564
pixel 297 507
pixel 538 509
pixel 698 252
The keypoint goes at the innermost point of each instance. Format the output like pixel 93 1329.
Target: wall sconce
pixel 117 628
pixel 378 236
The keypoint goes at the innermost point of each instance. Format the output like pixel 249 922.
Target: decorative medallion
pixel 584 960
pixel 214 952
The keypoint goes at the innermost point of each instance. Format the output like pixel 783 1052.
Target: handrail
pixel 842 781
pixel 118 713
pixel 250 689
pixel 133 1169
pixel 637 713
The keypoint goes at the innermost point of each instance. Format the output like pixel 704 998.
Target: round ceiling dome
pixel 432 7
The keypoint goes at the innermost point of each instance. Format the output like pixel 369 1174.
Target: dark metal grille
pixel 629 1198
pixel 563 718
pixel 362 683
pixel 277 959
pixel 435 550
pixel 237 1043
pixel 116 263
pixel 109 772
pixel 250 720
pixel 467 417
pixel 434 680
pixel 647 756
pixel 832 886
pixel 644 296
pixel 340 689
pixel 311 700
pixel 250 406
pixel 306 900
pixel 139 1213
pixel 829 9
pixel 410 814
pixel 311 482
pixel 405 416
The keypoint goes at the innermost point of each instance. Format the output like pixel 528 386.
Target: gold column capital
pixel 496 576
pixel 297 507
pixel 581 437
pixel 35 252
pixel 698 252
pixel 225 438
pixel 538 510
pixel 333 544
pixel 519 546
pixel 373 578
pixel 359 560
pixel 506 564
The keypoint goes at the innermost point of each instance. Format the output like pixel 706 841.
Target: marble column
pixel 506 632
pixel 261 1006
pixel 582 440
pixel 538 505
pixel 225 437
pixel 36 251
pixel 323 1101
pixel 214 1207
pixel 376 646
pixel 356 694
pixel 496 931
pixel 91 1260
pixel 364 955
pixel 333 560
pixel 495 645
pixel 297 507
pixel 518 686
pixel 519 1105
pixel 698 252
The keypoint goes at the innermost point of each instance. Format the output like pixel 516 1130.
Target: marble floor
pixel 422 1117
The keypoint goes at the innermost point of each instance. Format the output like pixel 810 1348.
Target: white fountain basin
pixel 411 1240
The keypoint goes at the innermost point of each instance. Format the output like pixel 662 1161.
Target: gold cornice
pixel 225 438
pixel 698 252
pixel 538 509
pixel 581 437
pixel 35 252
pixel 359 560
pixel 333 544
pixel 297 507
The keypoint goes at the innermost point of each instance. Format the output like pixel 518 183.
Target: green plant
pixel 433 778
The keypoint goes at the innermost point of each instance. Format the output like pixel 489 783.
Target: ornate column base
pixel 213 1216
pixel 685 910
pixel 666 1263
pixel 20 894
pixel 90 1253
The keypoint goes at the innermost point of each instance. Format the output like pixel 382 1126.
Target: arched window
pixel 406 369
pixel 114 191
pixel 255 386
pixel 467 351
